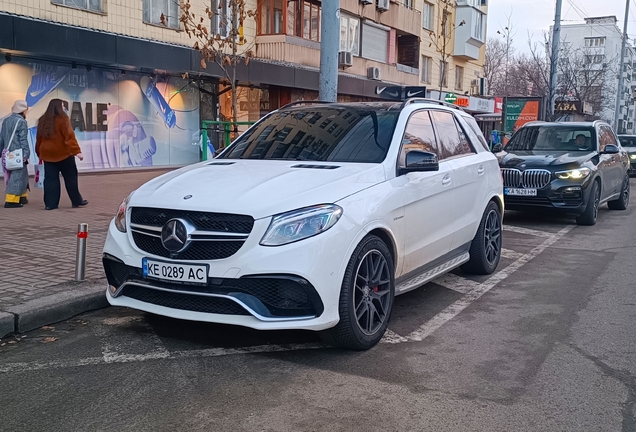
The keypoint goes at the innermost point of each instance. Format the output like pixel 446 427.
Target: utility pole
pixel 329 47
pixel 621 81
pixel 554 60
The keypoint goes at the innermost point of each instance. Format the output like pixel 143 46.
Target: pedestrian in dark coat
pixel 57 146
pixel 16 181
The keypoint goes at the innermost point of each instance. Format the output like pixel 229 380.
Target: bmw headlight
pixel 576 174
pixel 301 224
pixel 120 218
pixel 632 156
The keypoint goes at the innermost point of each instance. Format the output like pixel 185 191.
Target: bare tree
pixel 442 38
pixel 494 66
pixel 225 44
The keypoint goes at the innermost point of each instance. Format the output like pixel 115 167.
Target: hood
pixel 258 188
pixel 542 159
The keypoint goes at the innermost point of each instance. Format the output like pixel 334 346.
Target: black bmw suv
pixel 571 167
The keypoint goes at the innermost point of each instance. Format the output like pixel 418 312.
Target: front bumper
pixel 296 286
pixel 563 195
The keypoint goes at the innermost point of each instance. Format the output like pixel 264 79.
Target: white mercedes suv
pixel 315 218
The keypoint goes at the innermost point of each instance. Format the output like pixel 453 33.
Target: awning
pixel 494 117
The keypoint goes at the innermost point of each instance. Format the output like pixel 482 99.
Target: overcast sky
pixel 534 16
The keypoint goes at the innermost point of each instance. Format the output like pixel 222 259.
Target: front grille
pixel 216 225
pixel 189 302
pixel 196 251
pixel 282 295
pixel 203 221
pixel 530 179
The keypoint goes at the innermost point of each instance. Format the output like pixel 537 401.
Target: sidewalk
pixel 37 247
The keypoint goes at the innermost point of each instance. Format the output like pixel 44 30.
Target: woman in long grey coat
pixel 17 181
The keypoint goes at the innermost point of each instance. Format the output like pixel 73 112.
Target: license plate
pixel 520 192
pixel 175 272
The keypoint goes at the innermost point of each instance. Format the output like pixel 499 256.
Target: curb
pixel 53 308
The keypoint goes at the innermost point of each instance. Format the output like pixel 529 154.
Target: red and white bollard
pixel 80 258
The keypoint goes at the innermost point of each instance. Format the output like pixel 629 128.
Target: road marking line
pixel 528 231
pixel 112 351
pixel 456 283
pixel 510 254
pixel 131 358
pixel 391 337
pixel 454 309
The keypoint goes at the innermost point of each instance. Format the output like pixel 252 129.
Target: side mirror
pixel 611 149
pixel 496 148
pixel 420 161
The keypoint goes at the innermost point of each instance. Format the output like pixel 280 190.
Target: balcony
pixel 398 16
pixel 291 49
pixel 470 31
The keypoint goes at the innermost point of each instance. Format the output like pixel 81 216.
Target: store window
pixel 87 5
pixel 350 34
pixel 161 12
pixel 221 24
pixel 300 18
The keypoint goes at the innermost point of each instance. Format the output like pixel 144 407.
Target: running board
pixel 424 278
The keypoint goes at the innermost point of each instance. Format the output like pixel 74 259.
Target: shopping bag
pixel 13 160
pixel 39 175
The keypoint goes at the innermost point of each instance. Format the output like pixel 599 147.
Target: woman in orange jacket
pixel 57 146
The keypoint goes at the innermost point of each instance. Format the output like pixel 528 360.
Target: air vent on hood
pixel 221 163
pixel 330 167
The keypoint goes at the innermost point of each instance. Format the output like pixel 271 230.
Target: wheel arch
pixel 388 239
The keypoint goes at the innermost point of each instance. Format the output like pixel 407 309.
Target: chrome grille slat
pixel 529 179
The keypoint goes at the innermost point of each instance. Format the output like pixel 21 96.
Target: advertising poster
pixel 521 110
pixel 121 120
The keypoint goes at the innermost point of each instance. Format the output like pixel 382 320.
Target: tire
pixel 622 202
pixel 588 217
pixel 361 300
pixel 485 249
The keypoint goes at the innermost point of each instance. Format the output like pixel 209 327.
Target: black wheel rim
pixel 372 292
pixel 492 237
pixel 626 190
pixel 597 200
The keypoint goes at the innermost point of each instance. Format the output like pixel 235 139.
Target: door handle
pixel 446 180
pixel 480 170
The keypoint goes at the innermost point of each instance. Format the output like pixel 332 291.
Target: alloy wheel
pixel 492 237
pixel 597 200
pixel 372 292
pixel 626 190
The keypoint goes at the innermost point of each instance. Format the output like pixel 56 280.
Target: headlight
pixel 632 156
pixel 301 224
pixel 576 174
pixel 120 219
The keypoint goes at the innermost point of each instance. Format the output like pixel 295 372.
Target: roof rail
pixel 309 102
pixel 428 100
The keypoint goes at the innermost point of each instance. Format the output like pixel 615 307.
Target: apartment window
pixel 427 64
pixel 459 78
pixel 443 74
pixel 299 18
pixel 446 23
pixel 155 9
pixel 408 3
pixel 221 24
pixel 350 34
pixel 478 30
pixel 595 42
pixel 87 5
pixel 427 16
pixel 375 43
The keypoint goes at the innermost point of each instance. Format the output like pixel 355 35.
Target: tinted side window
pixel 465 148
pixel 605 137
pixel 476 132
pixel 419 135
pixel 450 142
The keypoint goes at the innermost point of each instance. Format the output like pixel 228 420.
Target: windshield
pixel 627 141
pixel 553 138
pixel 333 134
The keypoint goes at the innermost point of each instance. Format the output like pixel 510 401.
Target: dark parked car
pixel 629 144
pixel 571 167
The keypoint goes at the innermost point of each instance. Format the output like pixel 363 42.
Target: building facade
pixel 597 42
pixel 137 93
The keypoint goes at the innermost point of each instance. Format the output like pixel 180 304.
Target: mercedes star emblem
pixel 174 235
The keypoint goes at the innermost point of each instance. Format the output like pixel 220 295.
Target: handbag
pixel 13 160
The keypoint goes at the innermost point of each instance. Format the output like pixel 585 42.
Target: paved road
pixel 545 344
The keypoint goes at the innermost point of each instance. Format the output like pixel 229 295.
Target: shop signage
pixel 462 102
pixel 451 98
pixel 390 92
pixel 567 106
pixel 481 105
pixel 521 110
